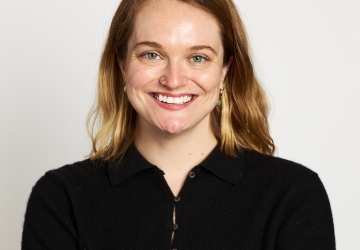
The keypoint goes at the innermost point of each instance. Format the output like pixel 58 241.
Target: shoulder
pixel 73 176
pixel 283 175
pixel 56 200
pixel 288 184
pixel 271 165
pixel 299 205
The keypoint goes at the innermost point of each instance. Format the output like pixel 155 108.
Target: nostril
pixel 163 81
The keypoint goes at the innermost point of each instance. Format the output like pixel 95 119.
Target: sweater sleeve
pixel 306 222
pixel 49 219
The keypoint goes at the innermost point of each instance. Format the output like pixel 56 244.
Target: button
pixel 176 226
pixel 177 199
pixel 192 175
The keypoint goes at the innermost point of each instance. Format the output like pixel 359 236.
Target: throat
pixel 175 152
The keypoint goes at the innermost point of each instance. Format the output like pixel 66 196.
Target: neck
pixel 175 153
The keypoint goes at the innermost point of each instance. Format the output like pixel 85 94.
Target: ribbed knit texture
pixel 251 202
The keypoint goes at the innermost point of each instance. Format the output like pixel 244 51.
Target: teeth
pixel 173 100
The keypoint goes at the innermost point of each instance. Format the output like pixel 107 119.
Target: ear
pixel 121 64
pixel 225 69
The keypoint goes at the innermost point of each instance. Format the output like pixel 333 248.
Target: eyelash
pixel 146 55
pixel 203 59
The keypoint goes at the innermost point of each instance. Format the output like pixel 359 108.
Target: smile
pixel 173 100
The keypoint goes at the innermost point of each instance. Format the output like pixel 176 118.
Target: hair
pixel 241 122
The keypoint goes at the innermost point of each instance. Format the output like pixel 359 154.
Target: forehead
pixel 172 21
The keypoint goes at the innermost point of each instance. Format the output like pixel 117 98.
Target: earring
pixel 127 98
pixel 219 101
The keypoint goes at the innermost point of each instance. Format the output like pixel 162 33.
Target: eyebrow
pixel 200 47
pixel 158 46
pixel 148 43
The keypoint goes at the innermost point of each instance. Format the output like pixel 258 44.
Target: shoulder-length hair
pixel 241 122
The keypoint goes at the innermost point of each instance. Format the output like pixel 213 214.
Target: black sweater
pixel 251 202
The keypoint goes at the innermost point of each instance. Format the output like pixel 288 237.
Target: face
pixel 174 67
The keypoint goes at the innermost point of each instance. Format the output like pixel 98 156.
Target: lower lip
pixel 173 106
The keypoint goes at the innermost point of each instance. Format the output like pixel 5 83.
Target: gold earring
pixel 219 101
pixel 124 84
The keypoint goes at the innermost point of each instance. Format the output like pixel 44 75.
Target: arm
pixel 306 219
pixel 49 219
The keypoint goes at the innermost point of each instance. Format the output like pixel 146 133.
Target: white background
pixel 307 55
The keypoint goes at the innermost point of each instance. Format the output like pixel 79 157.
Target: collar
pixel 225 167
pixel 131 163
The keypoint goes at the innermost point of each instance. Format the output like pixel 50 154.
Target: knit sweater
pixel 248 202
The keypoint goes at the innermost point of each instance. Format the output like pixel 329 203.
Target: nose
pixel 174 76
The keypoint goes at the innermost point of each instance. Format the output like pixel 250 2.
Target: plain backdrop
pixel 306 53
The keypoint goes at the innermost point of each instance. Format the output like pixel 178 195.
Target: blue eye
pixel 151 55
pixel 197 59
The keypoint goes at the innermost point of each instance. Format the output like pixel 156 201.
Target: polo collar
pixel 131 163
pixel 225 167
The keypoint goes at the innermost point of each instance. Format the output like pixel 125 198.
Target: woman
pixel 182 157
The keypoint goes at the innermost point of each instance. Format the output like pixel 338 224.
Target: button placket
pixel 191 175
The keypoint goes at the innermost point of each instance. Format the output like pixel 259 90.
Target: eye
pixel 197 59
pixel 151 55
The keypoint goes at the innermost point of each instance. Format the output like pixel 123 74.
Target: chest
pixel 143 213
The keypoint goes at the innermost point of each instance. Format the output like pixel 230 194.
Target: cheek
pixel 139 76
pixel 209 81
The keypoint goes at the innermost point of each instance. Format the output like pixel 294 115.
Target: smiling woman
pixel 182 155
pixel 173 54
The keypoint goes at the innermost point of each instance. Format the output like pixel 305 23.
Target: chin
pixel 173 128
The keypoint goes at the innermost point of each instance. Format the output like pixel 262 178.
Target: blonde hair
pixel 241 122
